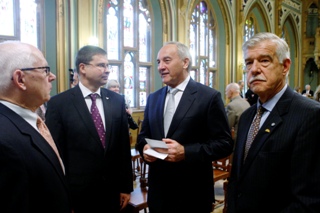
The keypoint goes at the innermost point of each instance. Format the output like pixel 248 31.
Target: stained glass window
pixel 27 20
pixel 249 31
pixel 203 44
pixel 129 47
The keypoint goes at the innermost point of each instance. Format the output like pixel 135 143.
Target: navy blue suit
pixel 31 177
pixel 96 176
pixel 281 172
pixel 201 126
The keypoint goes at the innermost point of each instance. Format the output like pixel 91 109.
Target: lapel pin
pixel 273 124
pixel 267 130
pixel 107 98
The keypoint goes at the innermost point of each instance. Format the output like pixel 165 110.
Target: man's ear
pixel 286 66
pixel 186 63
pixel 18 79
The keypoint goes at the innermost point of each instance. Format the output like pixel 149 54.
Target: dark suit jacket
pixel 281 172
pixel 201 126
pixel 96 175
pixel 310 92
pixel 31 178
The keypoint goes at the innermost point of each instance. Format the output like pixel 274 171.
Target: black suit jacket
pixel 310 92
pixel 31 178
pixel 281 172
pixel 201 126
pixel 96 175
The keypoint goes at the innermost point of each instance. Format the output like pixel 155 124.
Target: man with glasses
pixel 90 125
pixel 31 170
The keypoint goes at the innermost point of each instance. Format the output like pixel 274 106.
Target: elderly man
pixel 31 170
pixel 277 149
pixel 190 119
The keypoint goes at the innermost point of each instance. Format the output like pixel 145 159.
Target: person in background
pixel 241 85
pixel 90 124
pixel 251 97
pixel 114 86
pixel 316 95
pixel 279 163
pixel 307 92
pixel 236 106
pixel 75 78
pixel 297 89
pixel 198 134
pixel 31 171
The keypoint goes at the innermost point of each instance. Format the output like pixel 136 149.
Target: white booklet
pixel 156 144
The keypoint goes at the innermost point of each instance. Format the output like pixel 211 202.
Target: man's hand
pixel 124 200
pixel 146 157
pixel 175 150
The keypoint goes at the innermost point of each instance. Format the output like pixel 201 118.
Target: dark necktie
pixel 169 110
pixel 97 120
pixel 254 128
pixel 42 127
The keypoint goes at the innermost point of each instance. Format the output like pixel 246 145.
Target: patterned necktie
pixel 169 110
pixel 98 120
pixel 254 128
pixel 47 136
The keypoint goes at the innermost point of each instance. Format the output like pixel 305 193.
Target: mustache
pixel 257 78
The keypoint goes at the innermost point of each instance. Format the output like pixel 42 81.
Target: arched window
pixel 128 43
pixel 21 20
pixel 203 44
pixel 249 31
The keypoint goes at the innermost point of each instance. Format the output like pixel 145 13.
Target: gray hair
pixel 15 55
pixel 233 87
pixel 112 83
pixel 183 52
pixel 282 48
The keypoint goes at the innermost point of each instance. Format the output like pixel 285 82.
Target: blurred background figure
pixel 251 97
pixel 236 106
pixel 114 86
pixel 297 89
pixel 316 95
pixel 241 85
pixel 307 92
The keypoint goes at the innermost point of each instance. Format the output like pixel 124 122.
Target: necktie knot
pixel 93 97
pixel 173 91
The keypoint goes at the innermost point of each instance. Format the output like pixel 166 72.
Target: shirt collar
pixel 26 114
pixel 269 105
pixel 182 86
pixel 86 92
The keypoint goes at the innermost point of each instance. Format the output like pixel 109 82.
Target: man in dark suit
pixel 198 134
pixel 279 172
pixel 307 92
pixel 98 167
pixel 31 172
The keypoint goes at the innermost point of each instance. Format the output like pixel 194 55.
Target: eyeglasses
pixel 46 69
pixel 101 66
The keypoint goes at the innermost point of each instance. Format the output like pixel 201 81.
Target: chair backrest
pixel 139 122
pixel 223 164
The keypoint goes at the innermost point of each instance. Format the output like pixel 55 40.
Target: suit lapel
pixel 39 142
pixel 108 112
pixel 268 128
pixel 84 114
pixel 185 103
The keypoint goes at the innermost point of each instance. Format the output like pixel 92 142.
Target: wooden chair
pixel 135 154
pixel 221 171
pixel 138 199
